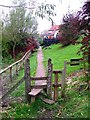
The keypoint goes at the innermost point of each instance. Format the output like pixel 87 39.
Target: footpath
pixel 40 72
pixel 40 67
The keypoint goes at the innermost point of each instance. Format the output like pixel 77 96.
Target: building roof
pixel 55 27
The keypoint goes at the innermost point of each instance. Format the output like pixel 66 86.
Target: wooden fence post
pixel 49 80
pixel 56 86
pixel 27 80
pixel 16 68
pixel 63 80
pixel 11 74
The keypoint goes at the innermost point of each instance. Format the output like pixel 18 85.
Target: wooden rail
pixel 10 74
pixel 16 63
pixel 13 88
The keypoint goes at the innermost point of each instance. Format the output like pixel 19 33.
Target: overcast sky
pixel 61 9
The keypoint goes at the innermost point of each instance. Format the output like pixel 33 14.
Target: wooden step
pixel 39 86
pixel 35 92
pixel 41 82
pixel 48 101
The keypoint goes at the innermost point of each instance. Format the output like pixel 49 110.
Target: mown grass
pixel 76 103
pixel 60 54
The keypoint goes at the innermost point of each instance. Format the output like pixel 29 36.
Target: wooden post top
pixel 57 71
pixel 49 59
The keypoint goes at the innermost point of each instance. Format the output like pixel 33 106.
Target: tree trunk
pixel 14 56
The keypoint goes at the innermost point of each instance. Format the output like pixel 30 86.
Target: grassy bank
pixel 60 54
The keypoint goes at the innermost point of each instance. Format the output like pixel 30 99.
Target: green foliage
pixel 46 11
pixel 18 26
pixel 28 111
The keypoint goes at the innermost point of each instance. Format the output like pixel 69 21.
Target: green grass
pixel 75 105
pixel 27 111
pixel 76 102
pixel 60 54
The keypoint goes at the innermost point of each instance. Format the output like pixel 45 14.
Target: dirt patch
pixel 77 75
pixel 46 114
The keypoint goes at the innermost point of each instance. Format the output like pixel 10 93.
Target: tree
pixel 69 28
pixel 85 25
pixel 19 26
pixel 20 23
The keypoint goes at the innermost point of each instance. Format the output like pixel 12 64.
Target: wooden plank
pixel 74 62
pixel 48 101
pixel 41 82
pixel 76 59
pixel 38 78
pixel 12 89
pixel 80 61
pixel 35 92
pixel 38 86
